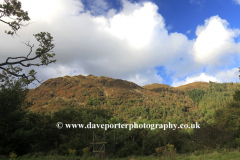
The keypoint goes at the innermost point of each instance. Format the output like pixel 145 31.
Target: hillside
pixel 121 97
pixel 80 88
pixel 131 102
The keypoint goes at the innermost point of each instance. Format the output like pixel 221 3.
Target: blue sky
pixel 173 42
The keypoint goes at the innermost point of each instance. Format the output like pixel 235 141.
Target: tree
pixel 10 9
pixel 196 95
pixel 14 127
pixel 18 126
pixel 236 95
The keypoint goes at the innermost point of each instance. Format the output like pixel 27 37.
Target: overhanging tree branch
pixel 45 40
pixel 13 8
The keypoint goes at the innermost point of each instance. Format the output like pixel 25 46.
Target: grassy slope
pixel 76 90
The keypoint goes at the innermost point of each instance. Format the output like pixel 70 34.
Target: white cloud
pixel 125 45
pixel 214 40
pixel 96 44
pixel 136 27
pixel 228 75
pixel 49 11
pixel 111 13
pixel 146 77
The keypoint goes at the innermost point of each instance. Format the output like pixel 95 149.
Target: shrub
pixel 86 152
pixel 12 155
pixel 168 151
pixel 72 152
pixel 160 150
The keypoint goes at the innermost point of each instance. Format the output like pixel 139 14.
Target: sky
pixel 169 42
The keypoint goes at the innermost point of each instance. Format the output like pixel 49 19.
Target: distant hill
pixel 190 86
pixel 186 88
pixel 194 85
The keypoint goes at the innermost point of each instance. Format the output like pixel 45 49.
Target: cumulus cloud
pixel 50 11
pixel 122 46
pixel 231 75
pixel 125 45
pixel 137 26
pixel 214 40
